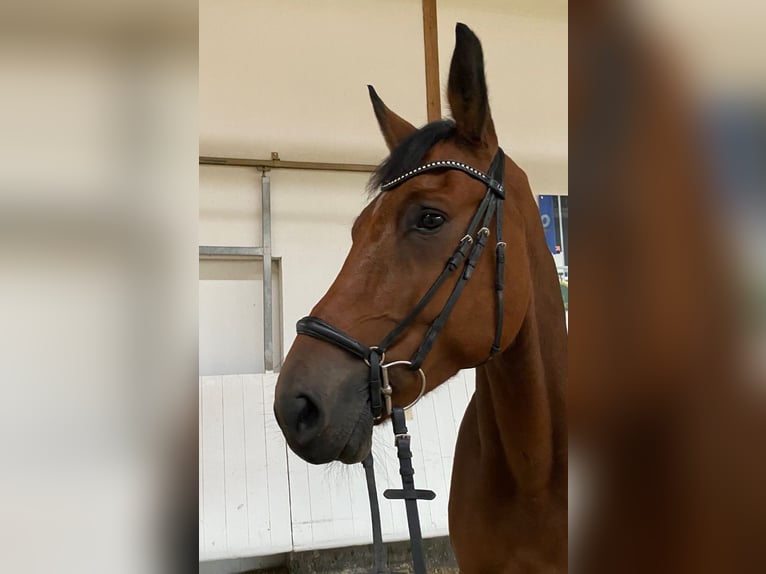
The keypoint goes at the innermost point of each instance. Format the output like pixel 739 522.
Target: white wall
pixel 526 61
pixel 291 77
pixel 231 316
pixel 312 213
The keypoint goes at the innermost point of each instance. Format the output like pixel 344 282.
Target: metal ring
pixel 422 376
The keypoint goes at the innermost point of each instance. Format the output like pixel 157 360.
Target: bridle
pixel 466 254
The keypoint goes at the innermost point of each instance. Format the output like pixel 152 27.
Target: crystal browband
pixel 494 185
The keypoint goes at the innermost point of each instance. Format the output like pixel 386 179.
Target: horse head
pixel 401 244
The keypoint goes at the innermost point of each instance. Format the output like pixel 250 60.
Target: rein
pixel 467 254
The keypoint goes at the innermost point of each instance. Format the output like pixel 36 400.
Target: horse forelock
pixel 410 153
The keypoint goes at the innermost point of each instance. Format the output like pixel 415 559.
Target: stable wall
pixel 291 77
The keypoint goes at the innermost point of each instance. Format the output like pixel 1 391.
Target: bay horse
pixel 508 497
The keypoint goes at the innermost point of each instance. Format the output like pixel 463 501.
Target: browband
pixel 494 185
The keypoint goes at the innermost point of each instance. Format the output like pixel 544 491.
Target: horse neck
pixel 520 393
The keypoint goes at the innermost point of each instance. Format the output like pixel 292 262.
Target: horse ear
pixel 467 90
pixel 393 128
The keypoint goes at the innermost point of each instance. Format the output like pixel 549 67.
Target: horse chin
pixel 359 442
pixel 357 448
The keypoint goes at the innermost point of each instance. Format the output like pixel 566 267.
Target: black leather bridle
pixel 466 254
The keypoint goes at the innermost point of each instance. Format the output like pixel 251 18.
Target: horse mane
pixel 410 152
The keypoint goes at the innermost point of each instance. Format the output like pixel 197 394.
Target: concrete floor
pixel 351 560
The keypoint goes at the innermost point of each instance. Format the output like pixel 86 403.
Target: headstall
pixel 465 256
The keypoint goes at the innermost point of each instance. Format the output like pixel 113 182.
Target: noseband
pixel 467 254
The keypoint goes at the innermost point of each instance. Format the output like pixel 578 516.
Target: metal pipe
pixel 268 328
pixel 229 252
pixel 264 252
pixel 280 164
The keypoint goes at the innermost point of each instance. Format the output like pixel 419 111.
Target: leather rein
pixel 466 255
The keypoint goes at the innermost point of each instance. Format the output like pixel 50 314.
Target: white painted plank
pixel 420 444
pixel 428 468
pixel 465 387
pixel 201 472
pixel 300 503
pixel 278 480
pixel 237 535
pixel 359 505
pixel 214 497
pixel 321 506
pixel 470 379
pixel 447 431
pixel 256 463
pixel 460 395
pixel 342 519
pixel 454 393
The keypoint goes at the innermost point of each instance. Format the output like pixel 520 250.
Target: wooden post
pixel 431 46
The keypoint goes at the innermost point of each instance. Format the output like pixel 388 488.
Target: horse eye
pixel 430 220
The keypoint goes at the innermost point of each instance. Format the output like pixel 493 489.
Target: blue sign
pixel 548 221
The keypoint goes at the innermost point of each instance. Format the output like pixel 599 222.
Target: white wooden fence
pixel 257 498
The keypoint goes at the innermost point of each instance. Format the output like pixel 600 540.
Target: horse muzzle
pixel 322 407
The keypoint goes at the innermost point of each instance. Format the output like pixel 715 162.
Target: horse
pixel 508 494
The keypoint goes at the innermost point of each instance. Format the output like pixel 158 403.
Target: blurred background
pixel 98 276
pixel 667 331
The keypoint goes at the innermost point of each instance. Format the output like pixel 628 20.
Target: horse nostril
pixel 299 415
pixel 308 414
